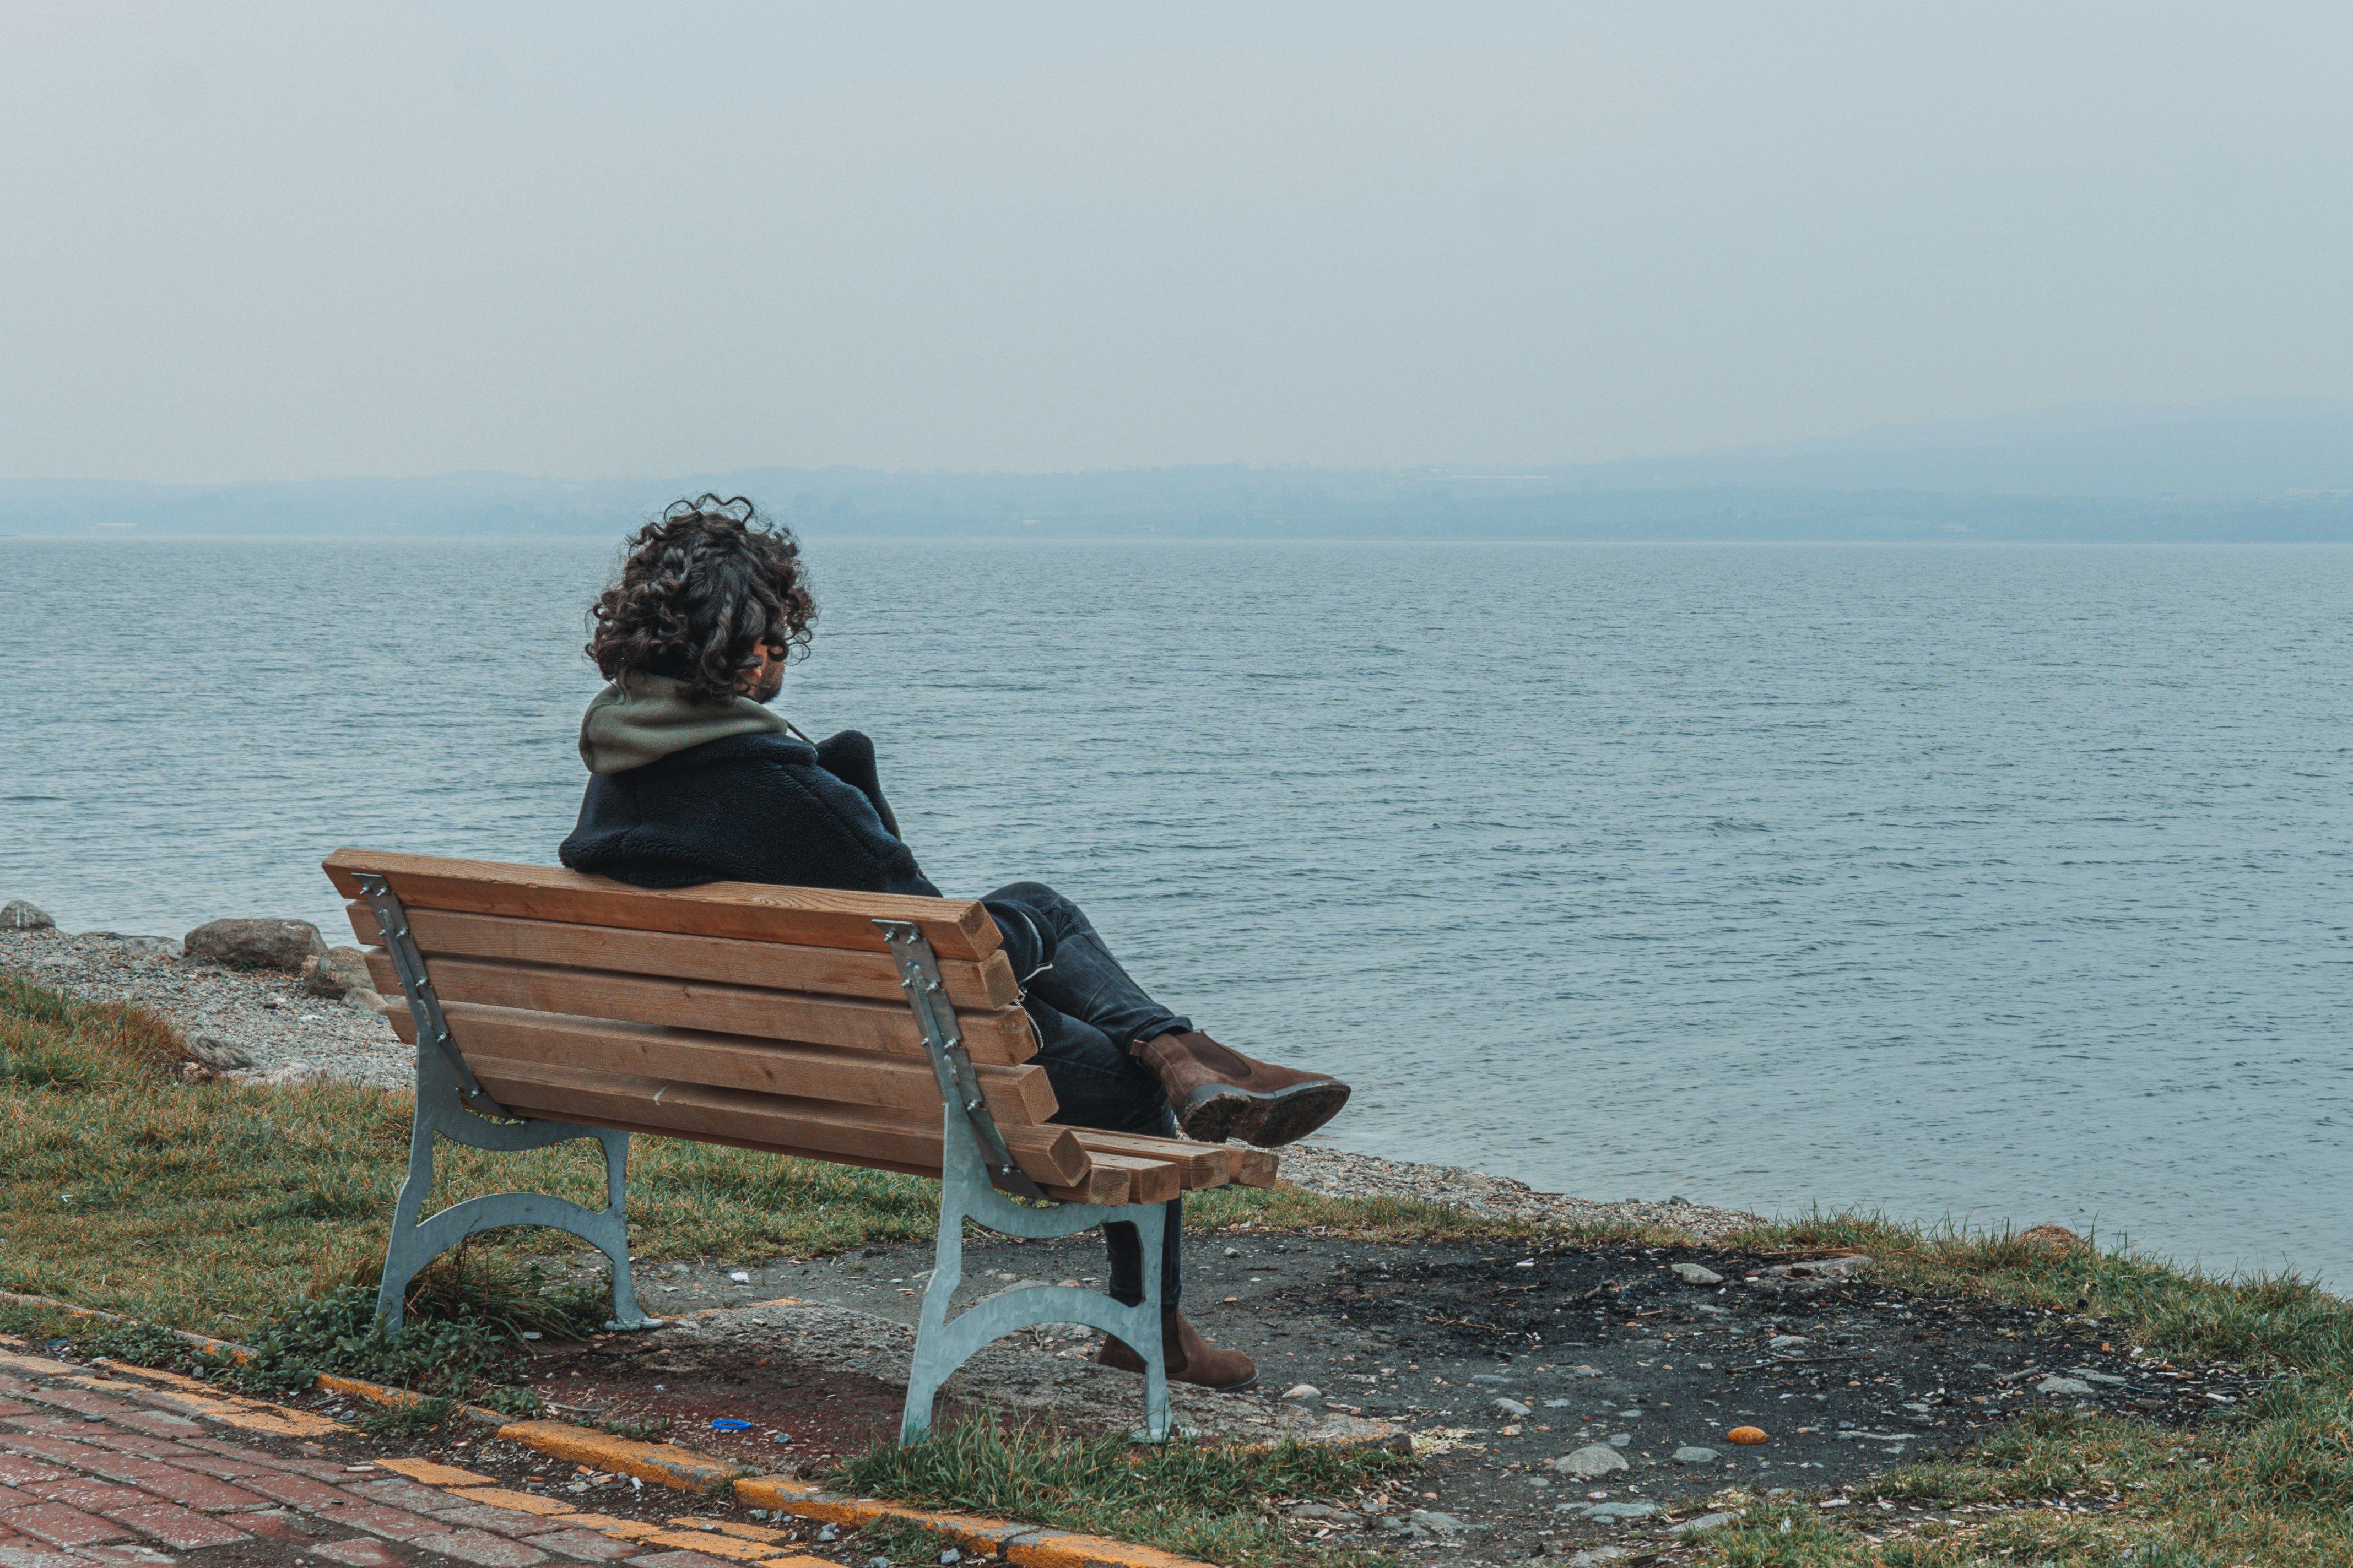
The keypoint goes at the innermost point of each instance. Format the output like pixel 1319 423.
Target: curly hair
pixel 702 589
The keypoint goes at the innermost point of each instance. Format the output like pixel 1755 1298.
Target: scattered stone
pixel 1303 1390
pixel 18 915
pixel 1820 1268
pixel 1512 1407
pixel 829 1534
pixel 1785 1342
pixel 257 943
pixel 1705 1521
pixel 1693 1274
pixel 1622 1439
pixel 1689 1455
pixel 2088 1375
pixel 1430 1522
pixel 218 1054
pixel 878 1562
pixel 1590 1462
pixel 951 1555
pixel 2076 1385
pixel 1492 1379
pixel 1620 1511
pixel 1595 1556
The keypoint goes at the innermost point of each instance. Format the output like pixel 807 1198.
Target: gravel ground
pixel 288 1034
pixel 1317 1166
pixel 263 1013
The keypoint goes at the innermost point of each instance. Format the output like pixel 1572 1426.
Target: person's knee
pixel 1036 895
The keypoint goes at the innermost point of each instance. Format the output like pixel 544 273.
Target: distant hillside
pixel 2249 449
pixel 2268 469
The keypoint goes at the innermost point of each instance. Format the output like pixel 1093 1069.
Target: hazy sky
pixel 262 241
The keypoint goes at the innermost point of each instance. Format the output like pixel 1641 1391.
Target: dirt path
pixel 1596 1349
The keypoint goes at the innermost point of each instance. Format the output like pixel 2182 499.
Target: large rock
pixel 338 973
pixel 18 915
pixel 258 944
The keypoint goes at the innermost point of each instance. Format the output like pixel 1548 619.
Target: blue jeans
pixel 1088 1011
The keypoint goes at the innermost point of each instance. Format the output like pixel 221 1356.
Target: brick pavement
pixel 138 1469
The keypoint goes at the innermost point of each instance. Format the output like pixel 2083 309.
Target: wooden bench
pixel 863 1028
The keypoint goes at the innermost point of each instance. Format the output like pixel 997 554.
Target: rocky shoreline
pixel 268 1001
pixel 259 1024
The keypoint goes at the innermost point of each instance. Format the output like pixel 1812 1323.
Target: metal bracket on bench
pixel 919 977
pixel 424 1006
pixel 445 1092
pixel 976 1172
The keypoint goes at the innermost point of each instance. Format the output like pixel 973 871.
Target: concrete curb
pixel 1025 1545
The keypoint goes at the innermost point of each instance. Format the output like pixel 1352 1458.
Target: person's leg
pixel 1096 1084
pixel 1071 970
pixel 1216 1093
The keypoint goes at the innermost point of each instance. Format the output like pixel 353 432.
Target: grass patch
pixel 2271 1322
pixel 1210 1501
pixel 902 1540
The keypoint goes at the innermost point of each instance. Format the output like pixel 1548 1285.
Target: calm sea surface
pixel 1996 883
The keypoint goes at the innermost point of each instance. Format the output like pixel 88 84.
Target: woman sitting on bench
pixel 692 779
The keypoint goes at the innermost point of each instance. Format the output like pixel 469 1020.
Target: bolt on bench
pixel 861 1028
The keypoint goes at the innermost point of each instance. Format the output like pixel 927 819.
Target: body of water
pixel 1989 882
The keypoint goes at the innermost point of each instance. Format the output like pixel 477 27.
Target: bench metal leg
pixel 416 1242
pixel 943 1344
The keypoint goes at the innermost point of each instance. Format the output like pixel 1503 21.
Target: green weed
pixel 1202 1501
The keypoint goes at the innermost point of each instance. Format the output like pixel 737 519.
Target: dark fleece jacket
pixel 748 808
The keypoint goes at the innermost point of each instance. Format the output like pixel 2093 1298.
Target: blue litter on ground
pixel 721 1424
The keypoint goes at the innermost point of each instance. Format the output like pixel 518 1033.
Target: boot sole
pixel 1293 1113
pixel 1216 1112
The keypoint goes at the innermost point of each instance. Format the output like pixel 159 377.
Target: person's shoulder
pixel 773 749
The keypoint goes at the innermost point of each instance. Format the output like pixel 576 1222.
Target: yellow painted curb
pixel 666 1464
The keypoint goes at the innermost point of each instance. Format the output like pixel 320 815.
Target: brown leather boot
pixel 1191 1358
pixel 1218 1093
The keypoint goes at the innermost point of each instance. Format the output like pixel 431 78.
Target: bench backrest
pixel 765 1017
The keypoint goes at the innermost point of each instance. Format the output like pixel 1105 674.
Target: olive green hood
pixel 642 717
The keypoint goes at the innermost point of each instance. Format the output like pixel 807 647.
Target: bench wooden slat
pixel 1108 1187
pixel 984 983
pixel 1149 1180
pixel 1197 1165
pixel 857 1134
pixel 1002 1038
pixel 1016 1096
pixel 753 911
pixel 1254 1167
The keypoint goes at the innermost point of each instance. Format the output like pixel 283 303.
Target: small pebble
pixel 1303 1390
